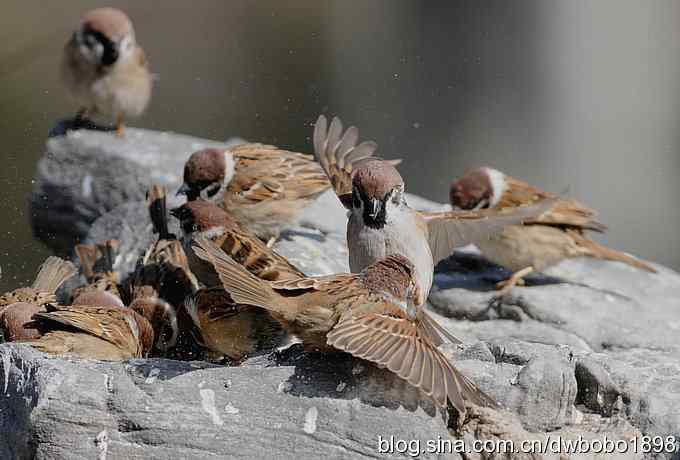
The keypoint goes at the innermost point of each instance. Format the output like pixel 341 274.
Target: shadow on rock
pixel 473 272
pixel 73 124
pixel 342 376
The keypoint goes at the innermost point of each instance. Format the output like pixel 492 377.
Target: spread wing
pixel 338 152
pixel 266 173
pixel 399 344
pixel 565 212
pixel 449 230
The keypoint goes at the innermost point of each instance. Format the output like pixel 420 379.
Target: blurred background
pixel 579 96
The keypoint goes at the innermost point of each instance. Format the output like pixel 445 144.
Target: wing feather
pixel 268 173
pixel 449 230
pixel 338 152
pixel 398 344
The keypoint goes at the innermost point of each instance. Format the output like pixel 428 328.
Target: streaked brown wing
pixel 115 325
pixel 330 284
pixel 338 152
pixel 398 344
pixel 256 257
pixel 449 230
pixel 174 277
pixel 565 212
pixel 269 173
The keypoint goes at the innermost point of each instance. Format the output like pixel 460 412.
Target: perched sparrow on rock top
pixel 104 69
pixel 381 223
pixel 555 235
pixel 264 188
pixel 228 328
pixel 17 306
pixel 366 314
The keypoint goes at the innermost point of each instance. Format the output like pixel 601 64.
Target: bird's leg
pixel 81 114
pixel 271 241
pixel 119 126
pixel 506 286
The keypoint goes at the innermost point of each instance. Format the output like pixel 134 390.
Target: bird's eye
pixel 397 195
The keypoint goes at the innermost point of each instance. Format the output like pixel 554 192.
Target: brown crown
pixel 376 178
pixel 203 215
pixel 204 167
pixel 469 190
pixel 111 22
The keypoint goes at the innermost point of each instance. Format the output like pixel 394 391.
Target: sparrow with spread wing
pixel 366 314
pixel 380 221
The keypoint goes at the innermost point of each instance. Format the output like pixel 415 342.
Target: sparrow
pixel 381 223
pixel 96 265
pixel 263 187
pixel 111 333
pixel 17 306
pixel 176 278
pixel 166 275
pixel 367 314
pixel 227 328
pixel 104 68
pixel 556 234
pixel 98 326
pixel 232 330
pixel 204 219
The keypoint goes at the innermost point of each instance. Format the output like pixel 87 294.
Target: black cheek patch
pixel 110 55
pixel 378 221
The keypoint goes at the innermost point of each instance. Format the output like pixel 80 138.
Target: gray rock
pixel 160 409
pixel 598 313
pixel 86 174
pixel 591 357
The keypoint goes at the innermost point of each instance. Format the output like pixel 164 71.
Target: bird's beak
pixel 183 190
pixel 374 206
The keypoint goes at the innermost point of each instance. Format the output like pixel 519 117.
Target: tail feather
pixel 602 252
pixel 109 252
pixel 158 211
pixel 243 286
pixel 53 272
pixel 87 254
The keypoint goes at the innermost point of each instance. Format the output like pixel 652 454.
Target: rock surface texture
pixel 589 351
